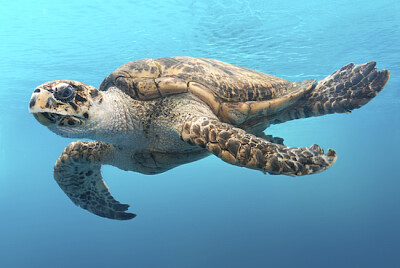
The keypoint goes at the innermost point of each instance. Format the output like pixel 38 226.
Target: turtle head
pixel 68 108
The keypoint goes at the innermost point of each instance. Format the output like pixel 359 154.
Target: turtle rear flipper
pixel 77 172
pixel 341 92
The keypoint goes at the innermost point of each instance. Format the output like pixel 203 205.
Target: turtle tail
pixel 341 92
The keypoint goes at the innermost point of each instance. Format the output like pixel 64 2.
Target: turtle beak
pixel 32 102
pixel 41 105
pixel 42 102
pixel 33 110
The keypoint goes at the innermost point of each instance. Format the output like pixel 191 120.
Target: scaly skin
pixel 77 172
pixel 347 89
pixel 235 146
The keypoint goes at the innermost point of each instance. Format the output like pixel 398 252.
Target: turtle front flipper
pixel 77 172
pixel 237 147
pixel 341 92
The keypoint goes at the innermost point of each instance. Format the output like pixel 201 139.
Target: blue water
pixel 207 213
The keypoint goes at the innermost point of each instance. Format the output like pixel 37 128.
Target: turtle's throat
pixel 119 123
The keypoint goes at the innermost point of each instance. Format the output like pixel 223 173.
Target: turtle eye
pixel 65 93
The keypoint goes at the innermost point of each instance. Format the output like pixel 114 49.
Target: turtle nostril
pixel 37 90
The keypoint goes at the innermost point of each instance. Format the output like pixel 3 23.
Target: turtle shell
pixel 234 93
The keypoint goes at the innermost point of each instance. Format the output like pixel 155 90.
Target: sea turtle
pixel 151 115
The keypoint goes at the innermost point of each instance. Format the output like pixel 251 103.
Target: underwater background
pixel 207 213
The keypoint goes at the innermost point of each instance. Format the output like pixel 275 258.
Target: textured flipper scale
pixel 77 172
pixel 341 92
pixel 237 147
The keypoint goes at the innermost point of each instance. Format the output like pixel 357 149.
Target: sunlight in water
pixel 207 213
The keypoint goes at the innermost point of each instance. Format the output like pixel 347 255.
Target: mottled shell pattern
pixel 235 94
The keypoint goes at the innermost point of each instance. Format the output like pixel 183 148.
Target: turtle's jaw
pixel 44 118
pixel 48 119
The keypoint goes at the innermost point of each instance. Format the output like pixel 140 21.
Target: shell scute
pixel 235 94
